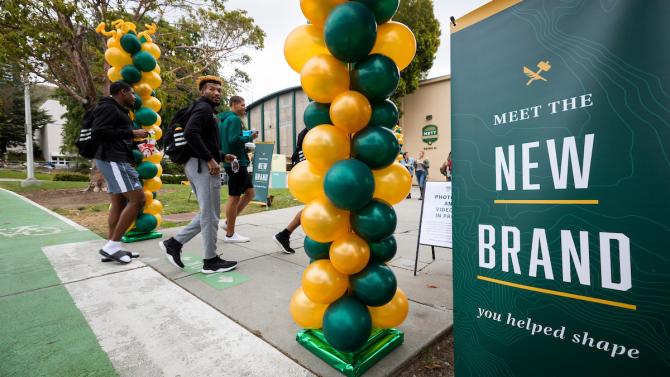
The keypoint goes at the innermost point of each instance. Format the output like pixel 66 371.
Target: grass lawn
pixel 22 174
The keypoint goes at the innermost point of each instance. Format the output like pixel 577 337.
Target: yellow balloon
pixel 305 183
pixel 316 11
pixel 159 120
pixel 160 170
pixel 152 78
pixel 302 44
pixel 114 74
pixel 323 222
pixel 159 219
pixel 113 42
pixel 117 57
pixel 349 254
pixel 396 41
pixel 142 89
pixel 157 69
pixel 153 207
pixel 152 48
pixel 323 77
pixel 148 197
pixel 325 145
pixel 350 111
pixel 305 312
pixel 392 184
pixel 322 283
pixel 392 314
pixel 151 102
pixel 131 115
pixel 155 158
pixel 131 226
pixel 154 184
pixel 158 132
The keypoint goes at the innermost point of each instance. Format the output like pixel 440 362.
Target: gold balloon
pixel 316 11
pixel 154 184
pixel 305 312
pixel 305 183
pixel 160 170
pixel 396 41
pixel 350 111
pixel 114 74
pixel 323 77
pixel 152 78
pixel 148 197
pixel 158 132
pixel 349 254
pixel 113 42
pixel 151 102
pixel 117 57
pixel 159 120
pixel 153 207
pixel 323 222
pixel 152 48
pixel 157 69
pixel 159 219
pixel 156 159
pixel 325 145
pixel 392 314
pixel 142 89
pixel 392 184
pixel 302 44
pixel 322 283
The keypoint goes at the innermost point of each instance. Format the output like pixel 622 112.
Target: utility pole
pixel 30 180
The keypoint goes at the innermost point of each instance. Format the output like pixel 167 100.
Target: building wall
pixel 51 136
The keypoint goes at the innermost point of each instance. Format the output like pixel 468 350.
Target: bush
pixel 173 179
pixel 71 177
pixel 171 168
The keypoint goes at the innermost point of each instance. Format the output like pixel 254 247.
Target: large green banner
pixel 561 190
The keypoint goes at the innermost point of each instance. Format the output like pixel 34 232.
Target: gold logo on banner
pixel 543 67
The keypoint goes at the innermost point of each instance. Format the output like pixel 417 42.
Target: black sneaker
pixel 172 250
pixel 283 241
pixel 216 264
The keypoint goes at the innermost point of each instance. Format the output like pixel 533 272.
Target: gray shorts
pixel 120 176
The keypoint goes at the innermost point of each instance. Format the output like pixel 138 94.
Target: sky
pixel 269 71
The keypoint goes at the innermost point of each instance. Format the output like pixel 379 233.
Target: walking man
pixel 422 165
pixel 240 186
pixel 113 129
pixel 202 171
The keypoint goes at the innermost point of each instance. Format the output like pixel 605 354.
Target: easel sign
pixel 262 169
pixel 435 221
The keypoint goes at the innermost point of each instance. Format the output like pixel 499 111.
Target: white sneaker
pixel 235 238
pixel 224 226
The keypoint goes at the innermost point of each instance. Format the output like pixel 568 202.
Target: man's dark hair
pixel 118 87
pixel 234 100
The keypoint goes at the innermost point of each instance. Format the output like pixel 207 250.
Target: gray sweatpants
pixel 207 189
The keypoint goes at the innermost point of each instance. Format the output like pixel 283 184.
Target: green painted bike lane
pixel 42 333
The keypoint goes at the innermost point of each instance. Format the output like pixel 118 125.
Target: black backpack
pixel 176 146
pixel 86 143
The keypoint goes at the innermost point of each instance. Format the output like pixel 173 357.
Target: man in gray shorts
pixel 113 130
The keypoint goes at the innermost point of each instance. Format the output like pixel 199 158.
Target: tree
pixel 55 40
pixel 12 111
pixel 419 16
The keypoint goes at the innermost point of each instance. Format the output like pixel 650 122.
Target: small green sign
pixel 429 134
pixel 220 281
pixel 262 170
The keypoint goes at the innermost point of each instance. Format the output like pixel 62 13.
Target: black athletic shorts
pixel 239 182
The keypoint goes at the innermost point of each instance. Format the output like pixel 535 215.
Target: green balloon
pixel 136 126
pixel 154 195
pixel 138 102
pixel 131 74
pixel 350 32
pixel 384 250
pixel 137 156
pixel 376 146
pixel 147 170
pixel 347 324
pixel 316 114
pixel 377 77
pixel 144 61
pixel 349 184
pixel 131 43
pixel 145 116
pixel 316 250
pixel 384 114
pixel 143 39
pixel 375 285
pixel 375 221
pixel 145 223
pixel 382 9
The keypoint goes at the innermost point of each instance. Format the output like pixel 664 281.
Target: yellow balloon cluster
pixel 133 58
pixel 327 147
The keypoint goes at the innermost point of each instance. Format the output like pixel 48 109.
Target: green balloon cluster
pixel 145 116
pixel 316 250
pixel 377 77
pixel 350 32
pixel 375 285
pixel 131 43
pixel 147 170
pixel 375 221
pixel 144 61
pixel 347 324
pixel 383 251
pixel 376 146
pixel 316 114
pixel 131 74
pixel 145 223
pixel 384 114
pixel 349 184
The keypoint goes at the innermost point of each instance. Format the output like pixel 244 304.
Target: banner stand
pixel 439 213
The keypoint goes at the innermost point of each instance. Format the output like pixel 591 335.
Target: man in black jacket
pixel 202 135
pixel 113 130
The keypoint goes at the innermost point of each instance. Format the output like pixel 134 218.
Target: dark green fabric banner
pixel 561 190
pixel 262 170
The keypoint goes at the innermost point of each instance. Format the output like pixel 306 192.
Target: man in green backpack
pixel 240 185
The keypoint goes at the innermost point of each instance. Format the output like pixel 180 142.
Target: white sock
pixel 112 247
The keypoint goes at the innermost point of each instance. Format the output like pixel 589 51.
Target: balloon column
pixel 133 58
pixel 349 58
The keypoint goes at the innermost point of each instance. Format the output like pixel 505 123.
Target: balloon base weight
pixel 354 364
pixel 131 237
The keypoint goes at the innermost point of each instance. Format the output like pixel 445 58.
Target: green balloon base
pixel 354 364
pixel 131 236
